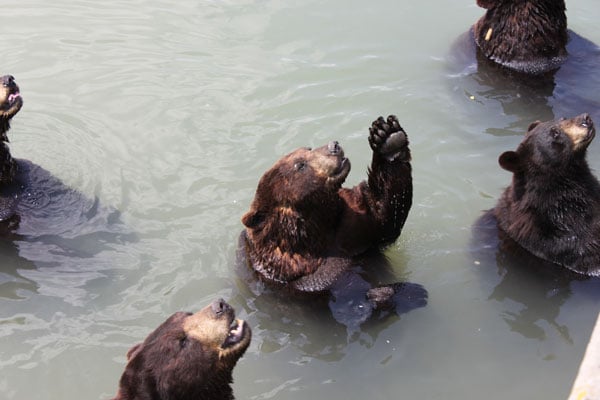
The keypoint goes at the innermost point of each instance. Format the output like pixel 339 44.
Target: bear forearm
pixel 390 191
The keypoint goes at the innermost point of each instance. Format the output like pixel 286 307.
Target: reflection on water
pixel 536 289
pixel 57 231
pixel 307 325
pixel 12 280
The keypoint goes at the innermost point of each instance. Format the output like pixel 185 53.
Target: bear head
pixel 298 197
pixel 189 356
pixel 551 147
pixel 10 103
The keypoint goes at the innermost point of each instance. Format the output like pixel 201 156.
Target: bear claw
pixel 389 139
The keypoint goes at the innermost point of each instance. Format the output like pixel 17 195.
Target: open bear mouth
pixel 237 332
pixel 591 131
pixel 12 98
pixel 586 138
pixel 13 102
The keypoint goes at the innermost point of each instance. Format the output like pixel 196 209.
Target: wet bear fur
pixel 520 60
pixel 305 232
pixel 188 357
pixel 552 207
pixel 529 36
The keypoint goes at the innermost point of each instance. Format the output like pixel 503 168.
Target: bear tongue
pixel 13 96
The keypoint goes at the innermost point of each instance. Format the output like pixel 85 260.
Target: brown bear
pixel 188 357
pixel 552 207
pixel 305 232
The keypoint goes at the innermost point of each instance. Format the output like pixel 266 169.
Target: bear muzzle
pixel 331 162
pixel 580 130
pixel 217 326
pixel 10 100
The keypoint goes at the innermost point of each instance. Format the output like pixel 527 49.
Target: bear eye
pixel 555 133
pixel 299 165
pixel 183 342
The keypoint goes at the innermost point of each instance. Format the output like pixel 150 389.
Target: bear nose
pixel 587 120
pixel 8 80
pixel 334 147
pixel 220 307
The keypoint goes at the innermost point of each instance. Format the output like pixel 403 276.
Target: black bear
pixel 305 232
pixel 528 36
pixel 10 104
pixel 521 54
pixel 552 207
pixel 33 202
pixel 188 357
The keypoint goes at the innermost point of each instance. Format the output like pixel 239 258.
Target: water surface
pixel 170 112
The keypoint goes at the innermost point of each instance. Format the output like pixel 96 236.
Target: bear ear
pixel 486 3
pixel 253 219
pixel 509 160
pixel 133 351
pixel 533 125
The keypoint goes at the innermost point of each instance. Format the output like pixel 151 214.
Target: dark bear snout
pixel 8 80
pixel 334 148
pixel 586 120
pixel 220 307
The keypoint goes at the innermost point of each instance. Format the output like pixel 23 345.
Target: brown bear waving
pixel 305 232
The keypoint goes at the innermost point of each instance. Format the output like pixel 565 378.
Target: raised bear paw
pixel 389 139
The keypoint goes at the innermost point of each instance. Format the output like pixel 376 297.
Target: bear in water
pixel 307 233
pixel 34 203
pixel 552 207
pixel 188 357
pixel 521 55
pixel 527 36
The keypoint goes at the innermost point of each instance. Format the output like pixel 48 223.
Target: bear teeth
pixel 236 331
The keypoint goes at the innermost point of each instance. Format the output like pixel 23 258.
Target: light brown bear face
pixel 551 144
pixel 188 356
pixel 580 130
pixel 10 97
pixel 216 328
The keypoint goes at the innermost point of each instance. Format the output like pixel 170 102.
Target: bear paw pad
pixel 389 139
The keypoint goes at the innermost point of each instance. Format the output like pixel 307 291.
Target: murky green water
pixel 170 111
